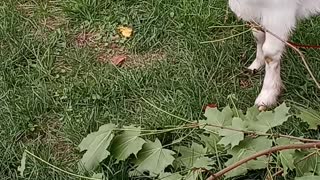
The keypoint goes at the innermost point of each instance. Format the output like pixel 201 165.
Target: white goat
pixel 280 18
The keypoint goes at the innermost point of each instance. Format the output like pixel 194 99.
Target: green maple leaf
pixel 310 116
pixel 251 115
pixel 308 178
pixel 267 120
pixel 153 157
pixel 189 155
pixel 308 165
pixel 98 176
pixel 134 173
pixel 211 142
pixel 246 148
pixel 218 118
pixel 203 162
pixel 169 176
pixel 96 145
pixel 287 156
pixel 230 136
pixel 193 175
pixel 127 143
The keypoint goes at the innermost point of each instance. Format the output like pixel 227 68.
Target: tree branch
pixel 262 153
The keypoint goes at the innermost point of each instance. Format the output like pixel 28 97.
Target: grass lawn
pixel 57 83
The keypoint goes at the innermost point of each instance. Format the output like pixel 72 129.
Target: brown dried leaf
pixel 118 59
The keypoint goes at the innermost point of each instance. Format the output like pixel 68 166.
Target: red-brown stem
pixel 262 153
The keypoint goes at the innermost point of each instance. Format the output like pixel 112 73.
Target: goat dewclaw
pixel 279 18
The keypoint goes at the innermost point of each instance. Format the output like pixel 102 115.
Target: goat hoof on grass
pixel 250 72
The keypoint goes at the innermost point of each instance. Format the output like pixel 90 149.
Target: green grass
pixel 53 92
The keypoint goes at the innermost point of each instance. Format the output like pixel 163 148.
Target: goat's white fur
pixel 279 17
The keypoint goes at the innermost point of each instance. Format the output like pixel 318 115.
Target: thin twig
pixel 226 38
pixel 262 153
pixel 231 26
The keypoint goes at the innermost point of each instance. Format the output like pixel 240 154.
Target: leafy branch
pixel 204 146
pixel 262 153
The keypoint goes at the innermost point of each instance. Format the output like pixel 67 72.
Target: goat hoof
pixel 250 72
pixel 262 108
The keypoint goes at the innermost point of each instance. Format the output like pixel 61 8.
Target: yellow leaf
pixel 125 31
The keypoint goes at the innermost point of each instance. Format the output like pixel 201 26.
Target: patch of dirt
pixel 142 60
pixel 112 51
pixel 53 22
pixel 49 133
pixel 88 39
pixel 131 60
pixel 245 83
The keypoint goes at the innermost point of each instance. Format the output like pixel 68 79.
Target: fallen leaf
pixel 118 59
pixel 230 136
pixel 310 116
pixel 127 143
pixel 96 145
pixel 125 31
pixel 154 158
pixel 209 106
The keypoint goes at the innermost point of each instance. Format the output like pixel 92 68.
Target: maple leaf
pixel 98 176
pixel 96 145
pixel 308 165
pixel 252 113
pixel 218 118
pixel 246 148
pixel 308 178
pixel 287 156
pixel 134 173
pixel 169 176
pixel 193 175
pixel 230 136
pixel 189 155
pixel 310 116
pixel 267 120
pixel 211 142
pixel 153 157
pixel 125 31
pixel 203 162
pixel 127 143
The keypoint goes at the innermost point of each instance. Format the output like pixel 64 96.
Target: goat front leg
pixel 272 84
pixel 279 23
pixel 258 63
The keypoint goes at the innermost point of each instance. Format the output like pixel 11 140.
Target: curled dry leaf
pixel 211 105
pixel 125 31
pixel 118 60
